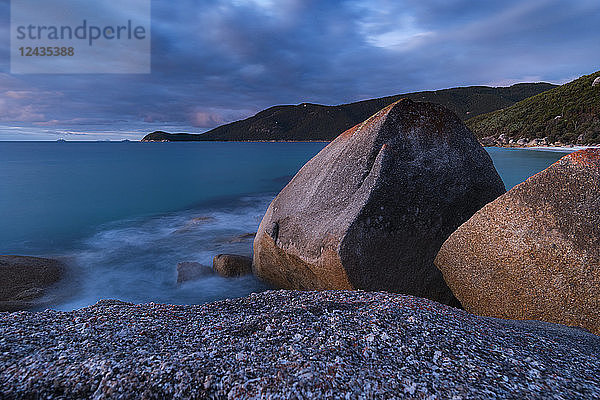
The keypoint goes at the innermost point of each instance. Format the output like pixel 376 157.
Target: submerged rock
pixel 24 280
pixel 232 265
pixel 371 210
pixel 242 238
pixel 534 252
pixel 189 271
pixel 195 223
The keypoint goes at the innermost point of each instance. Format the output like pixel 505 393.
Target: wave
pixel 135 260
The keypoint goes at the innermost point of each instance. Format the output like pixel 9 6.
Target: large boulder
pixel 534 253
pixel 371 210
pixel 24 280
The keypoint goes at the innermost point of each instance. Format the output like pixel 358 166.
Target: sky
pixel 218 61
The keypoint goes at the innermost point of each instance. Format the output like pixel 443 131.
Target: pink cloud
pixel 203 119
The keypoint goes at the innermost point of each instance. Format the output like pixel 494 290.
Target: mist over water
pixel 122 215
pixel 135 260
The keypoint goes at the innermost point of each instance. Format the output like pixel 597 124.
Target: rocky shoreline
pixel 527 145
pixel 566 147
pixel 542 143
pixel 292 344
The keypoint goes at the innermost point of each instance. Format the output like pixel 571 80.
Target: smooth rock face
pixel 23 280
pixel 189 271
pixel 534 252
pixel 371 210
pixel 231 265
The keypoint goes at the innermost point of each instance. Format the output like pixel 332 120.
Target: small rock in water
pixel 232 265
pixel 189 271
pixel 242 238
pixel 199 220
pixel 195 222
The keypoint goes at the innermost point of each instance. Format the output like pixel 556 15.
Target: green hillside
pixel 568 114
pixel 318 122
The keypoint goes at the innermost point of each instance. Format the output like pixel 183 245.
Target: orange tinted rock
pixel 232 265
pixel 534 253
pixel 371 210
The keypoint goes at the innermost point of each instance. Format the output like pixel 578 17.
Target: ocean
pixel 123 214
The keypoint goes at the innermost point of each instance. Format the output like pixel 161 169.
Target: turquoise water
pixel 124 214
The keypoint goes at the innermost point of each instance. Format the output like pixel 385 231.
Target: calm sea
pixel 124 214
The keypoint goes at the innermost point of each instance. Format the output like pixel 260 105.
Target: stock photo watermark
pixel 74 36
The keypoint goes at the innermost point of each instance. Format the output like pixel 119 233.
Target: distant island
pixel 315 122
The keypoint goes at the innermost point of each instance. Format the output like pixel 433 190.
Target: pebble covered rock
pixel 291 344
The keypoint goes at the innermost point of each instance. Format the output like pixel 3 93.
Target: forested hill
pixel 305 122
pixel 568 114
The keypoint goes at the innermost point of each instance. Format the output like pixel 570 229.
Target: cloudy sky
pixel 217 61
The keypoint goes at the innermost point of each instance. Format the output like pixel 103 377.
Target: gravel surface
pixel 290 344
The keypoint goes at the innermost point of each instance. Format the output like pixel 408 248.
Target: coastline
pixel 564 148
pixel 234 141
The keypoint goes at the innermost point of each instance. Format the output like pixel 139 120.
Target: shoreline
pixel 566 148
pixel 234 141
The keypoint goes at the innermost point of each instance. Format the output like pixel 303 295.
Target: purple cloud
pixel 217 61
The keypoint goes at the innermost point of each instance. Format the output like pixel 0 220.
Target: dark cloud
pixel 215 61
